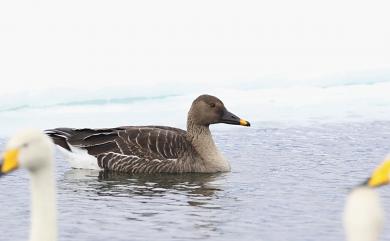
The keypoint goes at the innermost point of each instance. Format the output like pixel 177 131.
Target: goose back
pixel 132 149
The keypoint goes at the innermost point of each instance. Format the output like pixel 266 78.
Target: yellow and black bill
pixel 9 162
pixel 232 119
pixel 381 175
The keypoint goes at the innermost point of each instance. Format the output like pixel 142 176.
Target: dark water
pixel 286 184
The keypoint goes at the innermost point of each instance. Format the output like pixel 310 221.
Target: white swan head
pixel 30 149
pixel 363 213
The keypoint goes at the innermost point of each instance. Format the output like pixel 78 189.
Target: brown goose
pixel 152 149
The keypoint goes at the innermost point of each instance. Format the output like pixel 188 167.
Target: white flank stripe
pixel 79 158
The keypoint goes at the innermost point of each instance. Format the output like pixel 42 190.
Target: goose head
pixel 30 149
pixel 206 110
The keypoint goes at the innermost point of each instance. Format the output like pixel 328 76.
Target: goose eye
pixel 212 105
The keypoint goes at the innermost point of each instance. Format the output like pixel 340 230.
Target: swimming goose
pixel 152 149
pixel 363 213
pixel 33 150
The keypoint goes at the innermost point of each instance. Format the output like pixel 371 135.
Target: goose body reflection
pixel 109 183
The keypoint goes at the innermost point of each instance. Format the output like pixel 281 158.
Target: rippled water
pixel 287 183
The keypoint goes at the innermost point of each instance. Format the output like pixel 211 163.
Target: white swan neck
pixel 43 209
pixel 363 215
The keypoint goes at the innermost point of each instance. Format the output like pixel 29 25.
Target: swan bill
pixel 381 175
pixel 10 162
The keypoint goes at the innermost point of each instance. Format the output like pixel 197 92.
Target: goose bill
pixel 232 119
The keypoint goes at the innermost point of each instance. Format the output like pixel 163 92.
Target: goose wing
pixel 143 149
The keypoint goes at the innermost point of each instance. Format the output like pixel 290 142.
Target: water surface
pixel 287 183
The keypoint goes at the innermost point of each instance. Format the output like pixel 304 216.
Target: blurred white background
pixel 284 55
